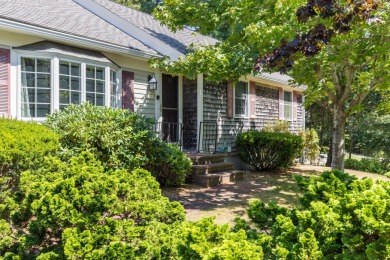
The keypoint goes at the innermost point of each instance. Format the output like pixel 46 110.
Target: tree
pixel 339 49
pixel 146 6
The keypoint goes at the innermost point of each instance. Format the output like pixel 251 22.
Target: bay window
pixel 114 91
pixel 95 90
pixel 70 83
pixel 36 87
pixel 49 84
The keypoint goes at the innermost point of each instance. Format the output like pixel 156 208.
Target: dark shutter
pixel 4 82
pixel 128 90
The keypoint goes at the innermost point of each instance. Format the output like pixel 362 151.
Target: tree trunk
pixel 338 138
pixel 330 129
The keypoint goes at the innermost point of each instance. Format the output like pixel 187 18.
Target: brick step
pixel 206 158
pixel 202 169
pixel 215 179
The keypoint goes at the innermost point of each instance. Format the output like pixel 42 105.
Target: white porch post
pixel 199 109
pixel 158 96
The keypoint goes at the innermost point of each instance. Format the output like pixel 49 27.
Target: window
pixel 114 90
pixel 36 87
pixel 287 98
pixel 95 88
pixel 241 99
pixel 70 83
pixel 49 84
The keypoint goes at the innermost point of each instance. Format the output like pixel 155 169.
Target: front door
pixel 170 102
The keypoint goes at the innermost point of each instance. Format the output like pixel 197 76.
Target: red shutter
pixel 281 104
pixel 4 82
pixel 229 102
pixel 252 99
pixel 295 106
pixel 128 90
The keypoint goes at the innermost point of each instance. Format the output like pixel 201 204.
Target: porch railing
pixel 169 132
pixel 208 137
pixel 217 135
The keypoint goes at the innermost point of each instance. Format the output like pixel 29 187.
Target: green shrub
pixel 23 145
pixel 168 164
pixel 339 217
pixel 311 144
pixel 207 240
pixel 278 126
pixel 368 165
pixel 78 207
pixel 119 139
pixel 269 150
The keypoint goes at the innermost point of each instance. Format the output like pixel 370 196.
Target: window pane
pixel 287 111
pixel 43 95
pixel 287 96
pixel 28 110
pixel 76 70
pixel 28 64
pixel 43 110
pixel 64 97
pixel 90 85
pixel 64 82
pixel 28 95
pixel 43 66
pixel 90 72
pixel 75 83
pixel 91 98
pixel 43 80
pixel 100 73
pixel 100 86
pixel 99 100
pixel 28 80
pixel 75 97
pixel 64 68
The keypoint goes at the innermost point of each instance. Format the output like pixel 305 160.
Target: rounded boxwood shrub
pixel 23 145
pixel 168 164
pixel 119 139
pixel 269 150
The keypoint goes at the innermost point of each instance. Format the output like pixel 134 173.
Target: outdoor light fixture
pixel 152 83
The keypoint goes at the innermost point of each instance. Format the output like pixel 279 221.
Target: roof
pixel 70 17
pixel 52 47
pixel 179 40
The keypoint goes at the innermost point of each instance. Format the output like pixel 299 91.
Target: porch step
pixel 201 159
pixel 215 179
pixel 203 169
pixel 210 170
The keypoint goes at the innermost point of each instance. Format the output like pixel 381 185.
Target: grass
pixel 229 201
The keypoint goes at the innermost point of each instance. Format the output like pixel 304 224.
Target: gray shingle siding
pixel 215 112
pixel 190 119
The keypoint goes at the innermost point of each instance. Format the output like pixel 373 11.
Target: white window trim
pixel 55 76
pixel 247 101
pixel 292 106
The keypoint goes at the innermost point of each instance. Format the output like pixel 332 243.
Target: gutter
pixel 43 32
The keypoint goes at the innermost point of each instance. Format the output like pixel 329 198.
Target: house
pixel 53 53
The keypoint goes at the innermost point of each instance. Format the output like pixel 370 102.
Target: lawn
pixel 228 201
